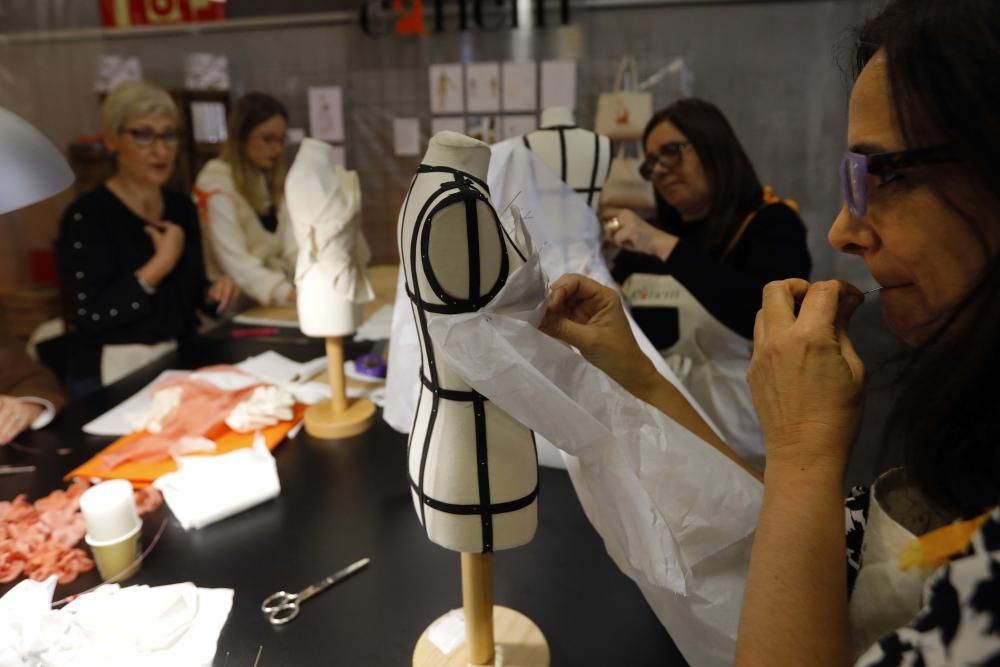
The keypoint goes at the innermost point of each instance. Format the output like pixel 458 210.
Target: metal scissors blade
pixel 282 607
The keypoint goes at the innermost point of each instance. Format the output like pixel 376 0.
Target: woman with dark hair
pixel 694 276
pixel 240 198
pixel 922 582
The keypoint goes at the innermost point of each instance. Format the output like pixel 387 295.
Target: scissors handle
pixel 276 601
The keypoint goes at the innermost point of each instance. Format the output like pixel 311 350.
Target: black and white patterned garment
pixel 959 622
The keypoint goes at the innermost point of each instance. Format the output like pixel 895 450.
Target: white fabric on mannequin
pixel 473 469
pixel 581 158
pixel 324 202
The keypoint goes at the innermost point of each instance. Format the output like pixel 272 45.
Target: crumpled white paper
pixel 206 489
pixel 676 515
pixel 266 406
pixel 112 626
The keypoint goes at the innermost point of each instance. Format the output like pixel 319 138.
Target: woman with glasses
pixel 922 581
pixel 240 197
pixel 129 251
pixel 693 276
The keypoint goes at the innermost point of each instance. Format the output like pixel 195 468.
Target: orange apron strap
pixel 938 546
pixel 201 198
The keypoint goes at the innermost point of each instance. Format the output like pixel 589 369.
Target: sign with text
pixel 130 13
pixel 408 17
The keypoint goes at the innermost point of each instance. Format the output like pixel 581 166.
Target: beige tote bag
pixel 623 114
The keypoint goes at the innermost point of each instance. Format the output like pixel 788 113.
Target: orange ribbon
pixel 939 546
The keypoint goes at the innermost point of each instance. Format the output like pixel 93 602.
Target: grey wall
pixel 771 67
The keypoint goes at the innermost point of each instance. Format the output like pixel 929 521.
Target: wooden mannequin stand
pixel 493 635
pixel 338 417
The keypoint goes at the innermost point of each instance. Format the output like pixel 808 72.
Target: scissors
pixel 282 607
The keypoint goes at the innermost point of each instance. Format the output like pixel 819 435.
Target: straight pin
pixel 260 649
pixel 872 291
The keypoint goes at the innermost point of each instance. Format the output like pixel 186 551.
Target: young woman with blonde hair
pixel 240 198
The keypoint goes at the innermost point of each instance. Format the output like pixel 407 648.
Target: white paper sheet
pixel 115 422
pixel 520 86
pixel 446 88
pixel 406 136
pixel 482 87
pixel 376 327
pixel 448 124
pixel 208 122
pixel 326 113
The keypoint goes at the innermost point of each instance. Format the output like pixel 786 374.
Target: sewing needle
pixel 873 290
pixel 259 650
pixel 510 202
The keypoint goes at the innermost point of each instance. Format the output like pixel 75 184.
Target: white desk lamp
pixel 31 168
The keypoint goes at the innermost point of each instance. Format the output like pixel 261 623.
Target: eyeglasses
pixel 856 167
pixel 145 137
pixel 667 156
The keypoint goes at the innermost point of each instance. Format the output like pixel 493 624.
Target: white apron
pixel 709 358
pixel 886 597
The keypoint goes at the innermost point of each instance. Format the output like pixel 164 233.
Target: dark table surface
pixel 341 501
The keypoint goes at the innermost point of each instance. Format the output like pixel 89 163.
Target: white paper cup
pixel 109 510
pixel 114 556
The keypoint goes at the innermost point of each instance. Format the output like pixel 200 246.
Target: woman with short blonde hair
pixel 240 197
pixel 130 255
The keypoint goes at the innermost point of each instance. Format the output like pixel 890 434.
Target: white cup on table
pixel 113 526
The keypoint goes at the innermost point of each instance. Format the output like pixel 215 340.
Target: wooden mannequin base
pixel 322 423
pixel 519 643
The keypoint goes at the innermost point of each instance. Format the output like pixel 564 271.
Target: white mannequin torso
pixel 473 469
pixel 324 202
pixel 579 157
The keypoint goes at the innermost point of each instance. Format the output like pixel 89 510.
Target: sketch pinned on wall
pixel 326 113
pixel 482 87
pixel 559 84
pixel 484 128
pixel 113 70
pixel 518 126
pixel 446 88
pixel 447 124
pixel 208 122
pixel 520 83
pixel 206 71
pixel 406 136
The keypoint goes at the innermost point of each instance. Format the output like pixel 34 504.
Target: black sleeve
pixel 773 247
pixel 100 298
pixel 187 218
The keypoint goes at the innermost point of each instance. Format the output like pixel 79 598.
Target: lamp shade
pixel 31 168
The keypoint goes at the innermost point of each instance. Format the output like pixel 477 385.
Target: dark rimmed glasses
pixel 856 167
pixel 145 137
pixel 667 156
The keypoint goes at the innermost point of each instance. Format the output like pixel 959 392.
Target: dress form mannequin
pixel 324 203
pixel 580 157
pixel 473 469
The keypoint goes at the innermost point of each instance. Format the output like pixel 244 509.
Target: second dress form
pixel 581 158
pixel 473 469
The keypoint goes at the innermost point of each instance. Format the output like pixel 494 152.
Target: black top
pixel 101 245
pixel 773 247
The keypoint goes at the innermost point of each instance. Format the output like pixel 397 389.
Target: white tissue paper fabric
pixel 112 626
pixel 324 207
pixel 676 515
pixel 206 489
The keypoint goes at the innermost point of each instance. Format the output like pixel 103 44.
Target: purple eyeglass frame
pixel 855 168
